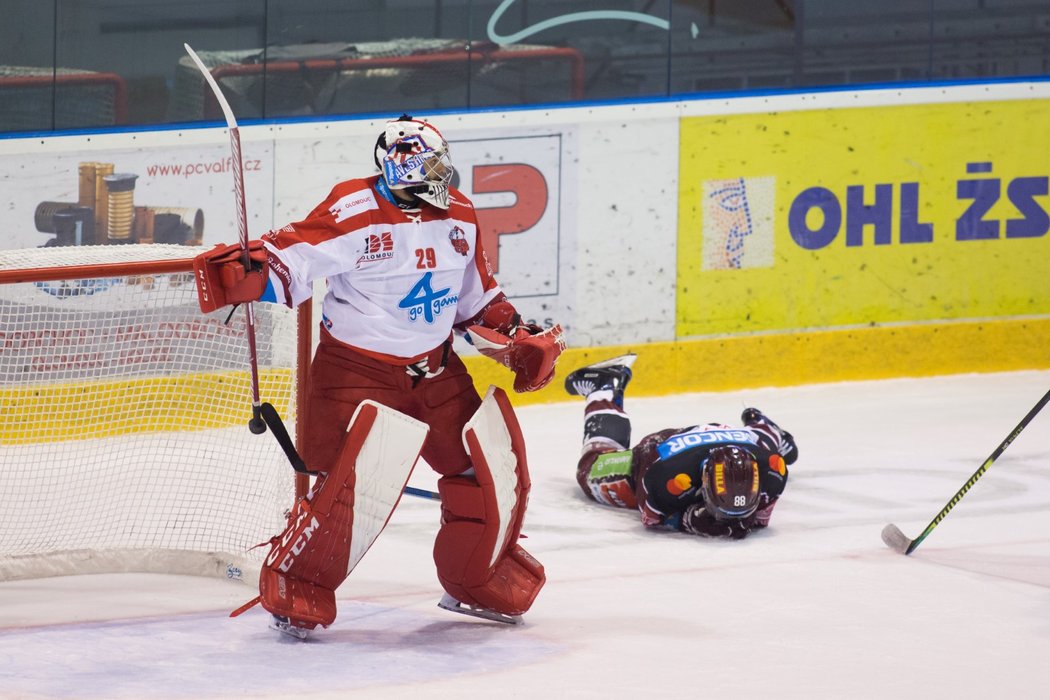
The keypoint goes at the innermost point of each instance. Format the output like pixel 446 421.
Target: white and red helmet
pixel 413 156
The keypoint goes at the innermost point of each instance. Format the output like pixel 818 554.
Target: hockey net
pixel 41 98
pixel 123 417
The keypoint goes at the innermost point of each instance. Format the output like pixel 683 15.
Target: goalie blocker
pixel 478 560
pixel 222 278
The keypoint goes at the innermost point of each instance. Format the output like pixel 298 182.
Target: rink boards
pixel 744 241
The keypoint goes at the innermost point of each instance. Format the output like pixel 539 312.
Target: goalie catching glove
pixel 222 279
pixel 528 350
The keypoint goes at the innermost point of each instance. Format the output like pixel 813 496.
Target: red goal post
pixel 124 443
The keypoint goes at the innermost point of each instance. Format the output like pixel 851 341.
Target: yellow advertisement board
pixel 855 217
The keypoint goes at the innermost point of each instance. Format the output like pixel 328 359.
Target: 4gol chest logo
pixel 423 301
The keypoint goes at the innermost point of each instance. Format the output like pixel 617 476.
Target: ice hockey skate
pixel 751 416
pixel 447 602
pixel 286 626
pixel 612 374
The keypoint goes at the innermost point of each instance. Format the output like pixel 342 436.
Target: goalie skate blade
pixel 895 539
pixel 282 625
pixel 447 602
pixel 619 361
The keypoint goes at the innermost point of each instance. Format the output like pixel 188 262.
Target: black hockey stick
pixel 276 425
pixel 897 540
pixel 273 420
pixel 256 424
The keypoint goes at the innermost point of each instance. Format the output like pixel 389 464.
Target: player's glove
pixel 529 351
pixel 697 521
pixel 221 277
pixel 782 439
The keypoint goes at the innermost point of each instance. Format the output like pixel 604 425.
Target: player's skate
pixel 447 602
pixel 286 626
pixel 612 375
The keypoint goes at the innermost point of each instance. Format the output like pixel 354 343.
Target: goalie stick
pixel 898 541
pixel 263 414
pixel 273 420
pixel 257 425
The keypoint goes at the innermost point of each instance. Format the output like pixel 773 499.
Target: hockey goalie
pixel 401 253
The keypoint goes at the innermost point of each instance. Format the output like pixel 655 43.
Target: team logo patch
pixel 377 247
pixel 459 241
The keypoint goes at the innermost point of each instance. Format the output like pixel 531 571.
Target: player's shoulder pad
pixel 352 198
pixel 354 184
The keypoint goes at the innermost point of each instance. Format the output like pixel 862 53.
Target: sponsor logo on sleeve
pixel 353 204
pixel 283 273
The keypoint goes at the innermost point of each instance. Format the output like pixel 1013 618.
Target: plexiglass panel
pixel 68 64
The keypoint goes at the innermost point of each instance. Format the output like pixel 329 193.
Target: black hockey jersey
pixel 670 462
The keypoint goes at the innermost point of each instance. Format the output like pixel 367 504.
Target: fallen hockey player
pixel 711 480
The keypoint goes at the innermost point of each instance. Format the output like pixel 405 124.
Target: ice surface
pixel 816 606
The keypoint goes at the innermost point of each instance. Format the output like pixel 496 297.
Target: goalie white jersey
pixel 398 280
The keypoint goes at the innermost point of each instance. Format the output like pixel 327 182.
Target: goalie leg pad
pixel 299 577
pixel 327 535
pixel 463 554
pixel 284 588
pixel 479 561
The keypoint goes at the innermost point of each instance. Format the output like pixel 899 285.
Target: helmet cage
pixel 729 483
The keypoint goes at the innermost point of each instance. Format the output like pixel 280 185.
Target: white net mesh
pixel 58 257
pixel 123 419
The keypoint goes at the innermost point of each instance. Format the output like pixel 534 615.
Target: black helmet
pixel 729 482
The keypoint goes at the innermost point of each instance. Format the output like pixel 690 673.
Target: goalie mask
pixel 413 157
pixel 729 483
